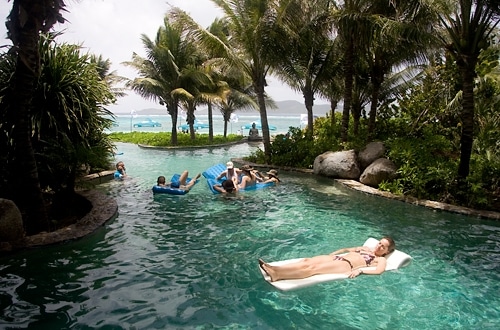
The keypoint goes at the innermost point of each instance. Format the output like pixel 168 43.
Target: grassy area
pixel 162 139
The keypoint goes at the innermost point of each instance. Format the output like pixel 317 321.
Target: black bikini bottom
pixel 342 259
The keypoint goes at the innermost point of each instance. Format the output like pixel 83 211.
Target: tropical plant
pixel 310 58
pixel 25 22
pixel 469 25
pixel 253 45
pixel 167 62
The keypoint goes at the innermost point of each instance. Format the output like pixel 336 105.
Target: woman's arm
pixel 243 183
pixel 345 250
pixel 381 263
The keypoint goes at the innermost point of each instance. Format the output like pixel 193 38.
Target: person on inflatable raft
pixel 349 263
pixel 181 184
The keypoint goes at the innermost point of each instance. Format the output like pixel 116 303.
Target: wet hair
pixel 228 185
pixel 161 180
pixel 392 244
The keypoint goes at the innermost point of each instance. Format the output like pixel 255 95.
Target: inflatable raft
pixel 395 260
pixel 170 190
pixel 213 172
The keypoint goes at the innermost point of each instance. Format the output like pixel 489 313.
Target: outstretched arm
pixel 346 250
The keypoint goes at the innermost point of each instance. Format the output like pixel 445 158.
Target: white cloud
pixel 113 28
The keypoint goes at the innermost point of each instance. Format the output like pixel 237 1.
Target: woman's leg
pixel 193 181
pixel 305 268
pixel 183 178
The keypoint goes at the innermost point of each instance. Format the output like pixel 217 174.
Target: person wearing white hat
pixel 230 173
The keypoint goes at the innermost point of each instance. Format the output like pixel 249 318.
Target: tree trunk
pixel 348 81
pixel 210 123
pixel 28 194
pixel 376 83
pixel 259 88
pixel 173 110
pixel 309 103
pixel 467 118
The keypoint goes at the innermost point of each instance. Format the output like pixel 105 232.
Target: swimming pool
pixel 190 262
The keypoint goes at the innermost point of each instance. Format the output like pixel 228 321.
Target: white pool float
pixel 395 260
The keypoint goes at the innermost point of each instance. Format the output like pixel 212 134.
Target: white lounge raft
pixel 395 260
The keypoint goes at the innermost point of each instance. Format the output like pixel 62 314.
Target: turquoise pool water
pixel 190 262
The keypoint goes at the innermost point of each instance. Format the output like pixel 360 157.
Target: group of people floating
pixel 235 178
pixel 242 178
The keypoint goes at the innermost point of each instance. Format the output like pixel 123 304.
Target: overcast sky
pixel 112 28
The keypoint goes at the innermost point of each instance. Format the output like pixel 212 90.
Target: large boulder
pixel 382 169
pixel 11 221
pixel 340 165
pixel 372 152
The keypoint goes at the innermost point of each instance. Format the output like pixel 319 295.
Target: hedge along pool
pixel 190 262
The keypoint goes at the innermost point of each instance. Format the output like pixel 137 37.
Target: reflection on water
pixel 171 262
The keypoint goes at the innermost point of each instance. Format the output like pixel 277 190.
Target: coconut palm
pixel 161 72
pixel 402 36
pixel 252 47
pixel 469 25
pixel 25 21
pixel 353 22
pixel 309 50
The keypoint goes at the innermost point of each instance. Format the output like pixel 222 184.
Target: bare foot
pixel 197 176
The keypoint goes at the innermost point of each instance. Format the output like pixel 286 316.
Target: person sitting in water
pixel 181 184
pixel 228 186
pixel 272 176
pixel 249 178
pixel 121 172
pixel 253 133
pixel 350 263
pixel 230 172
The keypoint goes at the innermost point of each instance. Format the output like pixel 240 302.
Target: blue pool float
pixel 170 190
pixel 213 172
pixel 118 175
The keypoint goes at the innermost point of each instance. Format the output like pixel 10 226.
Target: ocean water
pixel 190 262
pixel 125 123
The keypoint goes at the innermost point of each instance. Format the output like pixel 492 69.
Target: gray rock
pixel 372 152
pixel 340 165
pixel 380 170
pixel 11 221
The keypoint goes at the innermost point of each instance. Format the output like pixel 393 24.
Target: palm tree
pixel 252 48
pixel 168 58
pixel 25 21
pixel 353 23
pixel 469 26
pixel 309 50
pixel 402 36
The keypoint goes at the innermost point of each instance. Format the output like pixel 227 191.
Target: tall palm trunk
pixel 173 110
pixel 210 123
pixel 376 83
pixel 259 88
pixel 24 27
pixel 467 117
pixel 309 102
pixel 348 83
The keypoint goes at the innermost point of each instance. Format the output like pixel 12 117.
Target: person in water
pixel 121 172
pixel 181 183
pixel 249 178
pixel 272 176
pixel 349 263
pixel 230 172
pixel 227 186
